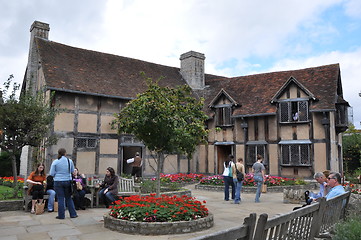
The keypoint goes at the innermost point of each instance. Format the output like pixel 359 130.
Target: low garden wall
pixel 11 205
pixel 253 189
pixel 157 228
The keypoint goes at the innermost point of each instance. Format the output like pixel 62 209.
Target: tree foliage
pixel 351 144
pixel 166 120
pixel 24 121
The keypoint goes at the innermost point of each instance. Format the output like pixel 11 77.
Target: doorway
pixel 223 151
pixel 129 152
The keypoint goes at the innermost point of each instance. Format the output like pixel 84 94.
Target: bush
pixel 349 229
pixel 150 186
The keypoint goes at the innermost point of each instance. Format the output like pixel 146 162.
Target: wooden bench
pixel 127 187
pixel 27 198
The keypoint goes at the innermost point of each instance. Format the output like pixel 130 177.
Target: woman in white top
pixel 228 178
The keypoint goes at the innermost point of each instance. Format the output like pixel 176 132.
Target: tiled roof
pixel 86 71
pixel 254 92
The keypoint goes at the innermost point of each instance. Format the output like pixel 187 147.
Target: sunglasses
pixel 331 178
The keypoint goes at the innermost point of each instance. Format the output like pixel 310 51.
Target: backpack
pixel 240 175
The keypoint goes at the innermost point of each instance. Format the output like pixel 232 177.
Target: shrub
pixel 349 229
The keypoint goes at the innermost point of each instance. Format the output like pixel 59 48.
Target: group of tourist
pixel 231 177
pixel 65 183
pixel 329 183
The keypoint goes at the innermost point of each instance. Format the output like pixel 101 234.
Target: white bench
pixel 127 187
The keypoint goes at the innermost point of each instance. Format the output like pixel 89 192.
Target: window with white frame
pixel 86 142
pixel 295 154
pixel 293 111
pixel 223 116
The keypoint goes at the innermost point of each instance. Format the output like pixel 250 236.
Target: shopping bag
pixel 264 188
pixel 56 206
pixel 39 208
pixel 130 160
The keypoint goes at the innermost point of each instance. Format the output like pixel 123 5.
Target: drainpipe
pixel 326 124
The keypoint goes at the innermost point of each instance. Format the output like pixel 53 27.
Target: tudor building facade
pixel 292 118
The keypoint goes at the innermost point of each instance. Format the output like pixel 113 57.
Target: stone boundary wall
pixel 253 189
pixel 11 205
pixel 157 228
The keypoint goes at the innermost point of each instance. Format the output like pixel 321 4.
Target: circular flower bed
pixel 150 215
pixel 162 209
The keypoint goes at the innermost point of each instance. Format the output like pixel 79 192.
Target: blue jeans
pixel 62 189
pixel 51 199
pixel 238 185
pixel 107 198
pixel 228 181
pixel 259 182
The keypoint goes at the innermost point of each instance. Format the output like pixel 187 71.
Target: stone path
pixel 18 225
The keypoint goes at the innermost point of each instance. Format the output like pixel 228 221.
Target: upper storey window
pixel 223 116
pixel 293 111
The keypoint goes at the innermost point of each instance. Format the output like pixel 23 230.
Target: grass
pixel 349 229
pixel 7 192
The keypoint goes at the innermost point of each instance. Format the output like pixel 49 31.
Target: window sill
pixel 299 165
pixel 295 122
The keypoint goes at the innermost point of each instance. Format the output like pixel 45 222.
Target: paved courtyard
pixel 18 225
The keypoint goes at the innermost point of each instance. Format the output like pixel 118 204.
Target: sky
pixel 238 37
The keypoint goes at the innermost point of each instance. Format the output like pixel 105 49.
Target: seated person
pixel 109 188
pixel 37 179
pixel 321 179
pixel 334 181
pixel 79 190
pixel 51 192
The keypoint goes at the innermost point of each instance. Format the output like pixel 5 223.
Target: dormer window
pixel 293 111
pixel 223 116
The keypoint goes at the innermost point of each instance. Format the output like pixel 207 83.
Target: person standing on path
pixel 137 166
pixel 238 184
pixel 258 171
pixel 62 170
pixel 228 177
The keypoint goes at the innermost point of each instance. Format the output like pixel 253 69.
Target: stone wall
pixel 253 189
pixel 157 228
pixel 13 205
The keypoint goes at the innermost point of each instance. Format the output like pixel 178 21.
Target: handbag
pixel 264 188
pixel 240 175
pixel 39 208
pixel 56 206
pixel 79 187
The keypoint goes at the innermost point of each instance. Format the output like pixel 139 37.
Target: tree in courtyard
pixel 351 145
pixel 166 120
pixel 24 120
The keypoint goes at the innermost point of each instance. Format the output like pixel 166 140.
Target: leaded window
pixel 223 116
pixel 293 111
pixel 86 143
pixel 295 154
pixel 252 151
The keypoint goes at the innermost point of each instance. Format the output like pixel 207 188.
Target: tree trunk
pixel 15 172
pixel 160 161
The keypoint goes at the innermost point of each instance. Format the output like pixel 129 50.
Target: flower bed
pixel 217 180
pixel 150 215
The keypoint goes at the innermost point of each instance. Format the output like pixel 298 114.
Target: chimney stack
pixel 192 69
pixel 39 29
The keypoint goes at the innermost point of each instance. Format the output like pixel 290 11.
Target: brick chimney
pixel 37 30
pixel 192 69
